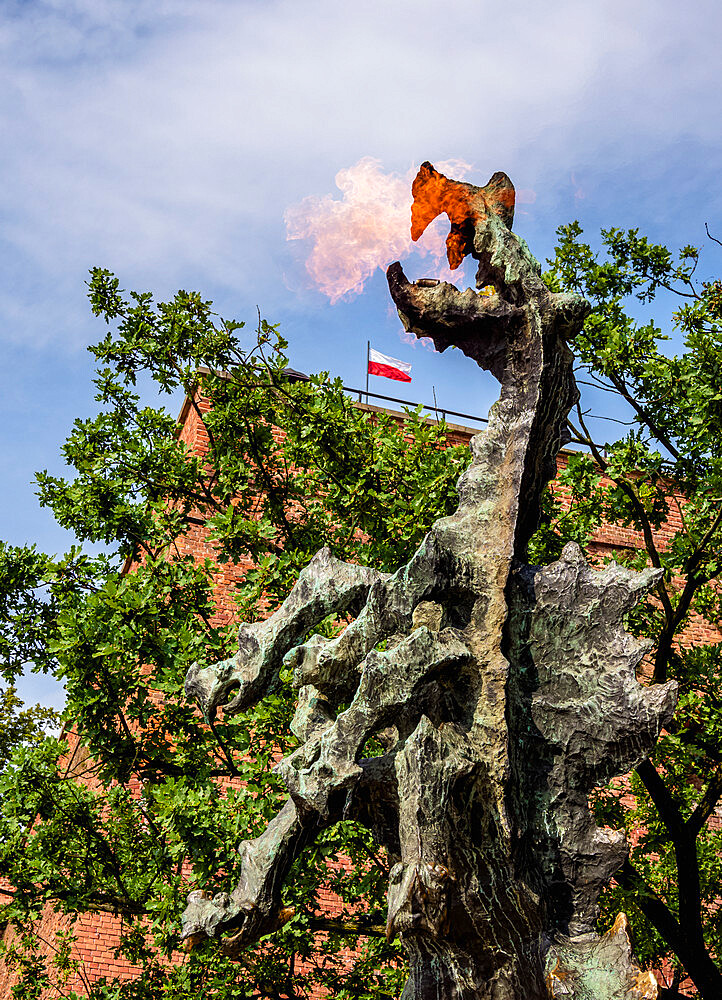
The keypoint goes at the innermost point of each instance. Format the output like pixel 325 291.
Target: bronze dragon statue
pixel 509 690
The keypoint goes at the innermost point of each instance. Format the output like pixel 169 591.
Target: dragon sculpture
pixel 509 690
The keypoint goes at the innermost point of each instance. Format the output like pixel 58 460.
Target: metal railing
pixel 407 402
pixel 432 407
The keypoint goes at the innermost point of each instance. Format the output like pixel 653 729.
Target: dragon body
pixel 509 691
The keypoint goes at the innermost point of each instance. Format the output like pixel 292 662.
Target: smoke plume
pixel 368 227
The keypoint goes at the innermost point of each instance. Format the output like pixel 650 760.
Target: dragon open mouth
pixel 229 698
pixel 480 322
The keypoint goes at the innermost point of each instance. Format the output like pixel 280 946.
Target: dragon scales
pixel 510 691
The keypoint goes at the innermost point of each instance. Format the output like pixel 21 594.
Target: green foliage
pixel 20 726
pixel 140 801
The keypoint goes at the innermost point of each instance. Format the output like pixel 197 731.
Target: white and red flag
pixel 380 364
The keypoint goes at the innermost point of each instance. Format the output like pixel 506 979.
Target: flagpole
pixel 368 356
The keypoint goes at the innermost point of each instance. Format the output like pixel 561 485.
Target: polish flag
pixel 380 364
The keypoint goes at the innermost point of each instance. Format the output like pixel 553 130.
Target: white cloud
pixel 167 140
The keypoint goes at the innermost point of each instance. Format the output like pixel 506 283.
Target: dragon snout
pixel 206 916
pixel 213 686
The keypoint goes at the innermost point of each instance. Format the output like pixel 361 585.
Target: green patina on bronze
pixel 503 693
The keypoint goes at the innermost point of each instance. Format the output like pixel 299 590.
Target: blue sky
pixel 168 141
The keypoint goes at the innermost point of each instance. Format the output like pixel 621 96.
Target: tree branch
pixel 650 545
pixel 651 905
pixel 706 805
pixel 224 749
pixel 709 234
pixel 658 792
pixel 348 928
pixel 621 386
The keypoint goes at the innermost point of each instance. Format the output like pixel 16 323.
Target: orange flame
pixel 367 228
pixel 464 204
